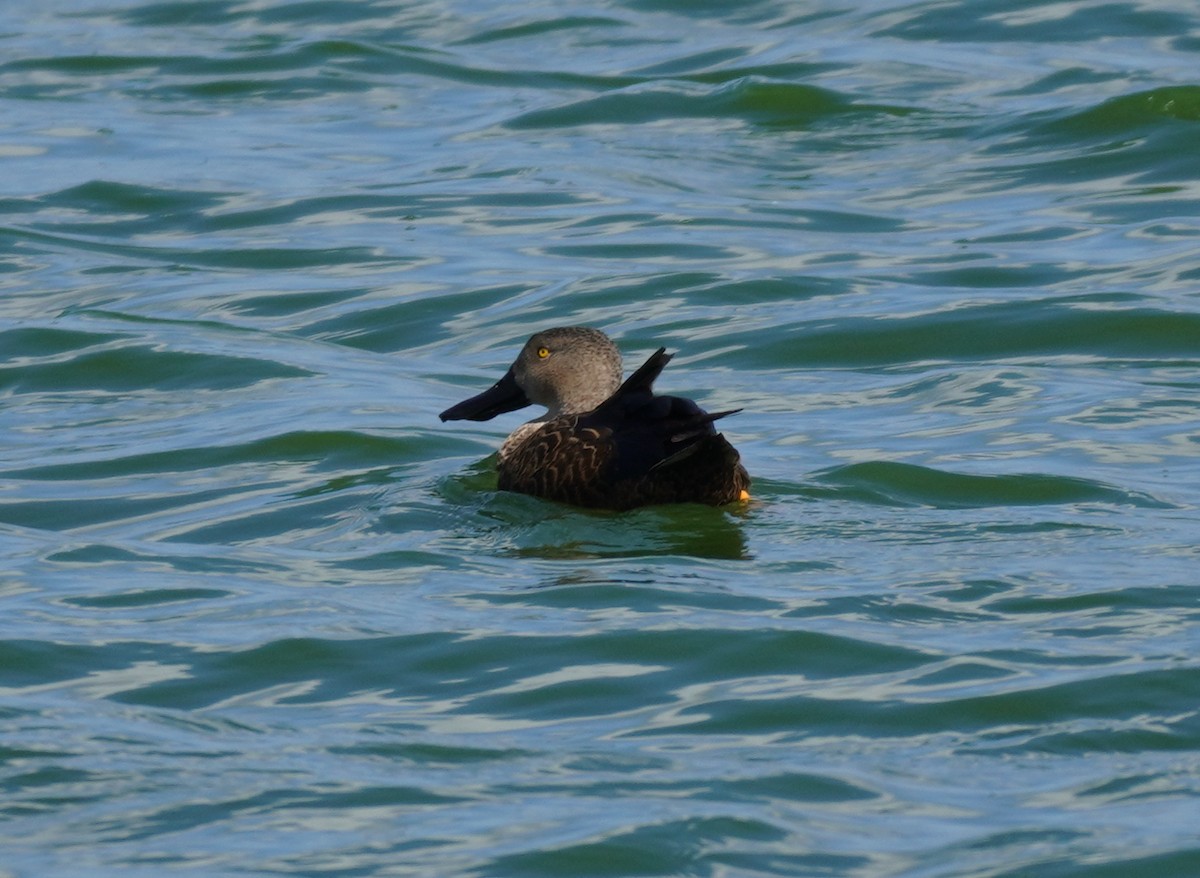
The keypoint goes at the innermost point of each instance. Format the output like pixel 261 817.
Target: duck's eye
pixel 543 352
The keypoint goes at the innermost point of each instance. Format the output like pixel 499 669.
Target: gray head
pixel 569 369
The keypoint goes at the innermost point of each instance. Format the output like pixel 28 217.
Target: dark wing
pixel 654 435
pixel 664 449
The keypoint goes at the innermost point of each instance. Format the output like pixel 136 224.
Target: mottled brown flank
pixel 564 462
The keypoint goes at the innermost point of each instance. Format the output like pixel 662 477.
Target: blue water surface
pixel 261 613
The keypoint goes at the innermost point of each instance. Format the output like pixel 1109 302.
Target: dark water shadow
pixel 905 484
pixel 505 524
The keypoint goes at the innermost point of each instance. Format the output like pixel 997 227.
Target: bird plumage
pixel 603 448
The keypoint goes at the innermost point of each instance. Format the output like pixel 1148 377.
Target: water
pixel 263 614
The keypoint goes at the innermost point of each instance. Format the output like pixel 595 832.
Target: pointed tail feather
pixel 699 425
pixel 646 373
pixel 640 381
pixel 696 428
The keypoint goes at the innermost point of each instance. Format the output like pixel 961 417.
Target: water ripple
pixel 264 613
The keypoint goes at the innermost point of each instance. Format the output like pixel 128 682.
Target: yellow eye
pixel 543 352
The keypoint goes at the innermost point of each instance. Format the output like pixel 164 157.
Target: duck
pixel 604 443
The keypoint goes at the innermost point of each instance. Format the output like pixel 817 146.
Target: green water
pixel 261 613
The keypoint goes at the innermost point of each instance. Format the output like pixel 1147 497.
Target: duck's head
pixel 570 369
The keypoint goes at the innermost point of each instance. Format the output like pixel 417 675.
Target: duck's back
pixel 635 450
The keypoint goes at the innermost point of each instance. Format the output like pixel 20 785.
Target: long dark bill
pixel 503 396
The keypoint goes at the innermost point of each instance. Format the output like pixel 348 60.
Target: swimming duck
pixel 603 443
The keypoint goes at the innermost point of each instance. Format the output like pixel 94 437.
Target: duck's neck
pixel 579 402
